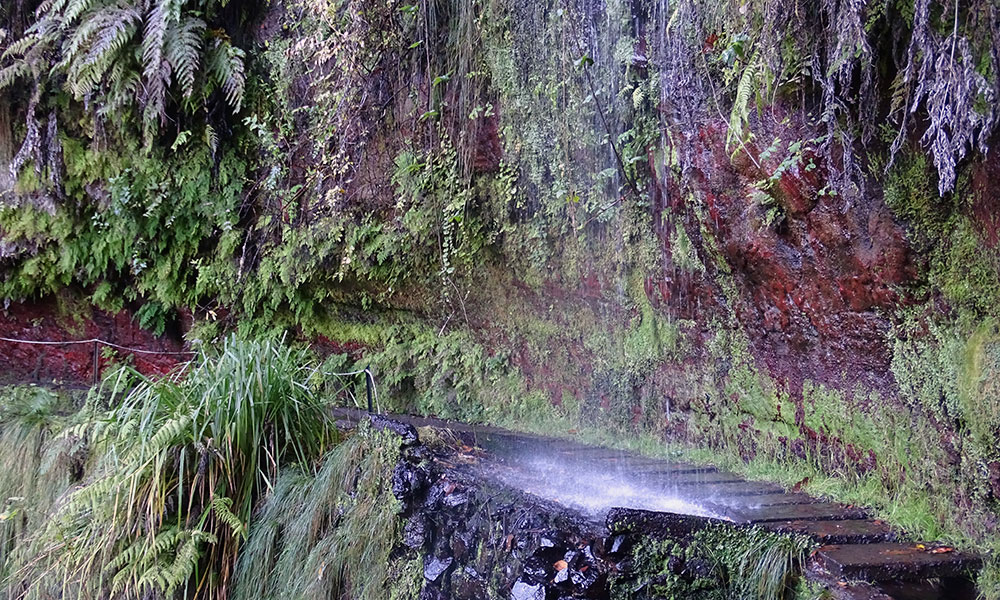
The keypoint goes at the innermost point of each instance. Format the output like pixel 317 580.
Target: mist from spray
pixel 593 488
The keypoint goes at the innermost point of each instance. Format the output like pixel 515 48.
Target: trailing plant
pixel 833 54
pixel 153 228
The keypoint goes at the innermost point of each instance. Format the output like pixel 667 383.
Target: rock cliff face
pixel 72 364
pixel 754 229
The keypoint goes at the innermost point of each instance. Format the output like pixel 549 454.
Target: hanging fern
pixel 225 66
pixel 150 56
pixel 941 76
pixel 747 89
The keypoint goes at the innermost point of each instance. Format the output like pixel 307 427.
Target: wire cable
pixel 98 341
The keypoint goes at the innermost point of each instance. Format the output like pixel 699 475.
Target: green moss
pixel 965 270
pixel 682 251
pixel 979 384
pixel 958 264
pixel 716 563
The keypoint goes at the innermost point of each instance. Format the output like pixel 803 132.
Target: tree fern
pixel 153 56
pixel 183 51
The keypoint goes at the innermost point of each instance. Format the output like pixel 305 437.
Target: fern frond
pixel 97 47
pixel 225 65
pixel 156 70
pixel 125 82
pixel 167 434
pixel 140 550
pixel 21 46
pixel 118 26
pixel 222 507
pixel 130 53
pixel 46 5
pixel 748 86
pixel 12 73
pixel 185 561
pixel 211 138
pixel 73 10
pixel 75 45
pixel 183 51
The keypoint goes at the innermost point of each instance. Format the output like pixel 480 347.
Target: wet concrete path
pixel 858 557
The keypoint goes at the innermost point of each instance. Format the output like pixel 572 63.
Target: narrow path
pixel 854 548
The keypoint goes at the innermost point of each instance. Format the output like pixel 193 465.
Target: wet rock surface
pixel 896 561
pixel 480 540
pixel 861 531
pixel 483 536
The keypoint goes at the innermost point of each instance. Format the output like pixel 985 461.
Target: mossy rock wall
pixel 634 218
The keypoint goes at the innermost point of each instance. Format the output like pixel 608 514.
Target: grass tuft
pixel 176 467
pixel 332 534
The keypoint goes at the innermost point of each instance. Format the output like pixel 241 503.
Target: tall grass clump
pixel 762 564
pixel 332 534
pixel 37 465
pixel 176 467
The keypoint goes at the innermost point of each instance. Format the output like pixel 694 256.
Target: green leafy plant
pixel 178 465
pixel 129 54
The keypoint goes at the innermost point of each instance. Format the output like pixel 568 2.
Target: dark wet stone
pixel 468 586
pixel 837 532
pixel 414 532
pixel 418 453
pixel 445 495
pixel 536 568
pixel 434 567
pixel 434 496
pixel 433 592
pixel 698 568
pixel 461 542
pixel 570 557
pixel 458 497
pixel 585 579
pixel 561 576
pixel 527 591
pixel 675 565
pixel 406 432
pixel 658 524
pixel 408 480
